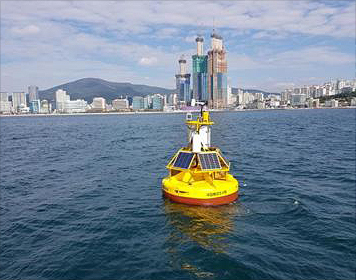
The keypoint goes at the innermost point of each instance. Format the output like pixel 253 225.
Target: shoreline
pixel 162 112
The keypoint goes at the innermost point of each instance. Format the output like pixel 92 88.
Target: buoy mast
pixel 199 130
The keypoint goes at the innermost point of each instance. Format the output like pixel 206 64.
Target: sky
pixel 271 45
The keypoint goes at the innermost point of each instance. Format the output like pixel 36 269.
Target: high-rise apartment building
pixel 173 99
pixel 19 100
pixel 200 72
pixel 5 104
pixel 147 102
pixel 157 102
pixel 33 93
pixel 183 82
pixel 61 98
pixel 137 102
pixel 35 106
pixel 217 73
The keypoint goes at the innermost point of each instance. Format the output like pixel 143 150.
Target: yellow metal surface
pixel 201 185
pixel 204 120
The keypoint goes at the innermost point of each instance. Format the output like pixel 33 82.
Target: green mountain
pixel 88 88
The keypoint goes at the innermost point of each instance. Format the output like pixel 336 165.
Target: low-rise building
pixel 353 101
pixel 313 103
pixel 120 104
pixel 99 103
pixel 75 106
pixel 332 103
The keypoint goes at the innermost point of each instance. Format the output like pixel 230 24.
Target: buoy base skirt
pixel 204 202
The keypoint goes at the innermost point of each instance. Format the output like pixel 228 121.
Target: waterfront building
pixel 261 104
pixel 120 104
pixel 245 97
pixel 353 101
pixel 217 71
pixel 75 106
pixel 313 103
pixel 274 103
pixel 5 104
pixel 99 103
pixel 165 100
pixel 157 102
pixel 19 101
pixel 137 103
pixel 61 98
pixel 231 98
pixel 332 103
pixel 183 82
pixel 35 106
pixel 33 93
pixel 259 96
pixel 147 102
pixel 305 90
pixel 298 100
pixel 172 99
pixel 321 91
pixel 200 72
pixel 45 107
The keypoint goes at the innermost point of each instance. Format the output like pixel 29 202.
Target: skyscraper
pixel 200 75
pixel 32 93
pixel 217 70
pixel 183 82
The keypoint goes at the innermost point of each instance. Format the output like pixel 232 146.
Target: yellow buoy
pixel 198 173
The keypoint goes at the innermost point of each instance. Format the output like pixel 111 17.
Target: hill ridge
pixel 90 87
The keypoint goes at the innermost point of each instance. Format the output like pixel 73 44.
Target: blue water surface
pixel 81 198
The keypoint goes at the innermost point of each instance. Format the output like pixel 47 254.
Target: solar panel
pixel 209 161
pixel 183 160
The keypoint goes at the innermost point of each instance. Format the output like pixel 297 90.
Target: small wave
pixel 276 207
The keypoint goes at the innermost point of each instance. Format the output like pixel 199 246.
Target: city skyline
pixel 270 45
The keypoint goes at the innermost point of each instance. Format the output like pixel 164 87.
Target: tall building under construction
pixel 217 73
pixel 183 82
pixel 200 72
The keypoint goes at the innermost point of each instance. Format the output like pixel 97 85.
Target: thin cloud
pixel 27 30
pixel 148 61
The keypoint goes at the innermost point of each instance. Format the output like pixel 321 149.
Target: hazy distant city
pixel 208 81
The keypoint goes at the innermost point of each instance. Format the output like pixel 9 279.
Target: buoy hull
pixel 204 202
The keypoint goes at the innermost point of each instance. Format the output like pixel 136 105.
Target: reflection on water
pixel 208 227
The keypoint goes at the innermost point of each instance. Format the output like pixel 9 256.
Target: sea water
pixel 81 198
